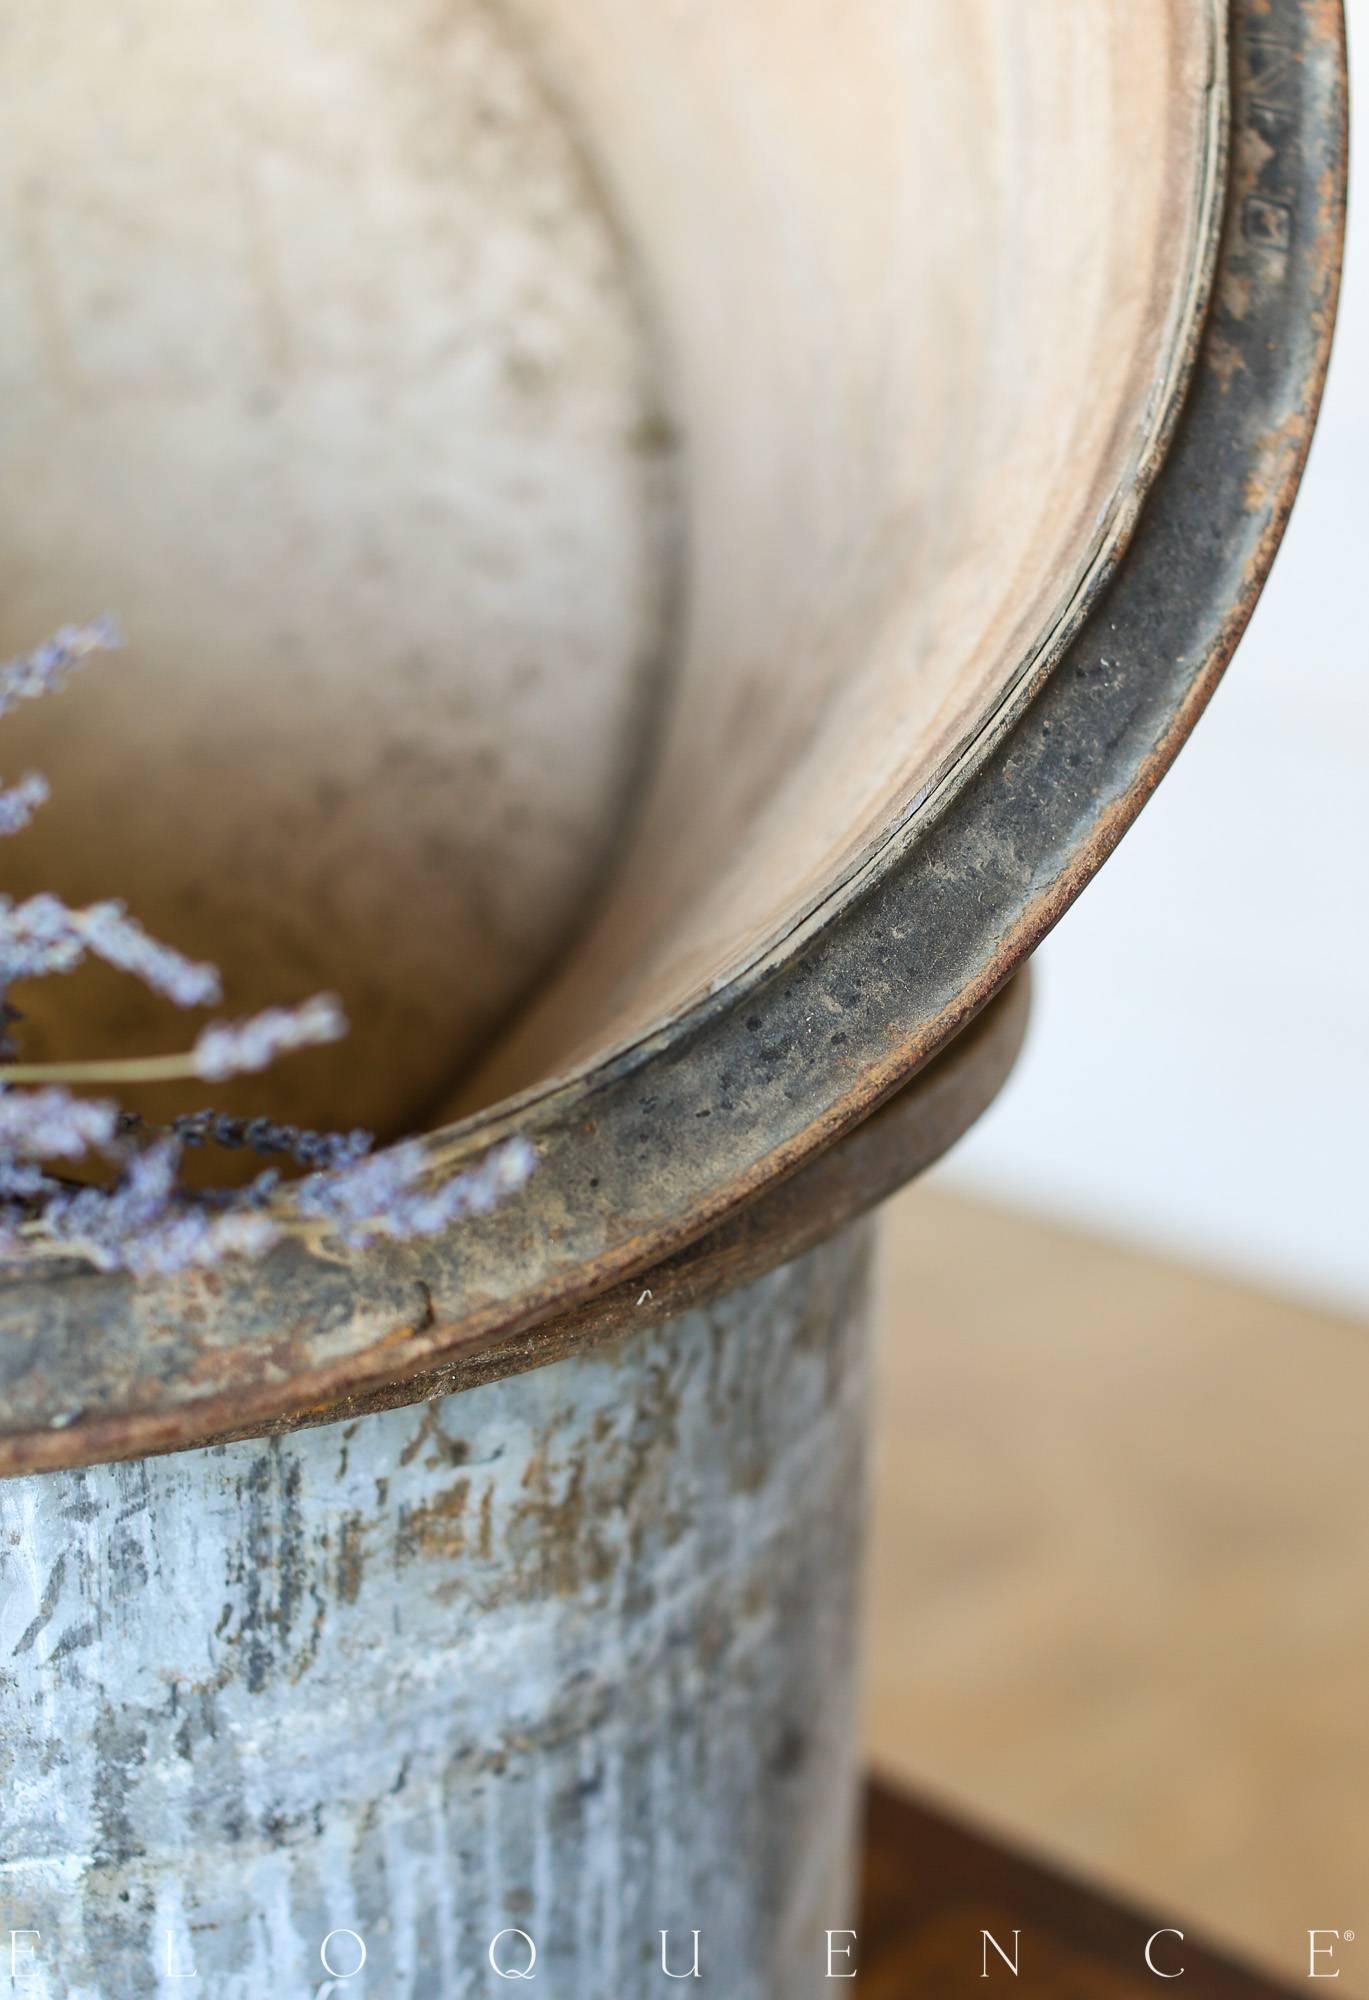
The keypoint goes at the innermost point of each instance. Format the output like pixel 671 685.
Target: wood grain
pixel 932 1886
pixel 1117 1595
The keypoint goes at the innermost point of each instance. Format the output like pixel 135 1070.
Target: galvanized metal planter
pixel 568 1658
pixel 554 1667
pixel 507 1581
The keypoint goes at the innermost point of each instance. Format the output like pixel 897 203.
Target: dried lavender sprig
pixel 386 1195
pixel 189 1236
pixel 22 1180
pixel 319 1150
pixel 120 940
pixel 41 936
pixel 21 802
pixel 228 1048
pixel 45 669
pixel 37 936
pixel 225 1048
pixel 140 1226
pixel 143 1224
pixel 54 1125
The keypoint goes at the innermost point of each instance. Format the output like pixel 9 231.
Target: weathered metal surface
pixel 643 1155
pixel 572 1654
pixel 913 1129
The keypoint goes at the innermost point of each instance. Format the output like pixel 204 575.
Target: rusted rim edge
pixel 776 1069
pixel 900 1140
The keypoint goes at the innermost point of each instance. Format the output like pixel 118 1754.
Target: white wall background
pixel 1197 1077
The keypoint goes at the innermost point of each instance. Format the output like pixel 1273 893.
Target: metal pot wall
pixel 567 1659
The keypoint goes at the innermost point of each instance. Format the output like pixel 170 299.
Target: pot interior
pixel 575 477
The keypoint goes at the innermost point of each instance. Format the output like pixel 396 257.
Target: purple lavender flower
pixel 21 1180
pixel 144 1223
pixel 42 936
pixel 139 1226
pixel 120 940
pixel 387 1195
pixel 264 1135
pixel 36 937
pixel 45 669
pixel 21 802
pixel 188 1235
pixel 228 1048
pixel 51 1124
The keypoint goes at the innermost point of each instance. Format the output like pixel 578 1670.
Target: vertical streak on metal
pixel 571 1654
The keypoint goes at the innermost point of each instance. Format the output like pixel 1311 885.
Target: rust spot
pixel 1224 359
pixel 351 1558
pixel 1278 453
pixel 437 1528
pixel 445 1450
pixel 1235 296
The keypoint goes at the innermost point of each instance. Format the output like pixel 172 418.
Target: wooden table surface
pixel 931 1887
pixel 1117 1598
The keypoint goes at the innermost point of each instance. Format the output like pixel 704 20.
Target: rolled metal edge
pixel 913 1129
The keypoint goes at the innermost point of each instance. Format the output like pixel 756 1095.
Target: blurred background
pixel 1121 1590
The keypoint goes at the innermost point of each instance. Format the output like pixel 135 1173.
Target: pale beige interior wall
pixel 323 367
pixel 922 270
pixel 328 369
